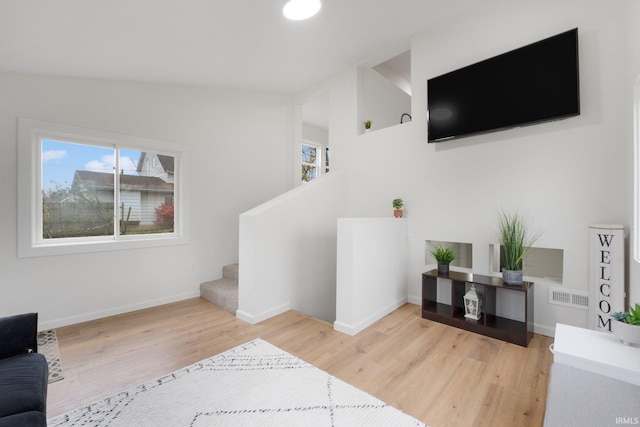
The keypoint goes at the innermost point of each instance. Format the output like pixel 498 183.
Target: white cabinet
pixel 596 352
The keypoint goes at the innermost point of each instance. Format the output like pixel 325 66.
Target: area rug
pixel 48 347
pixel 254 384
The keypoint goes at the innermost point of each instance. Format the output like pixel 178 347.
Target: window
pixel 312 161
pixel 82 190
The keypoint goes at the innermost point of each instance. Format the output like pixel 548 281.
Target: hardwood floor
pixel 439 374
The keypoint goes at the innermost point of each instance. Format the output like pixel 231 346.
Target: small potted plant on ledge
pixel 626 326
pixel 397 207
pixel 443 257
pixel 516 240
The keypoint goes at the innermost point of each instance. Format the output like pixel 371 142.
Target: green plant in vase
pixel 516 240
pixel 397 207
pixel 444 256
pixel 626 326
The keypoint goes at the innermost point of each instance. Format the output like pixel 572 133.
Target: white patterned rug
pixel 48 347
pixel 255 384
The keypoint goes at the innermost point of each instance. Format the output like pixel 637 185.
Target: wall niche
pixel 384 92
pixel 539 262
pixel 463 251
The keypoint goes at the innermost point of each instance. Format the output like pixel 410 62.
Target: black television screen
pixel 535 83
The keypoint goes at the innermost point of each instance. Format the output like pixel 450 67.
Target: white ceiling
pixel 240 44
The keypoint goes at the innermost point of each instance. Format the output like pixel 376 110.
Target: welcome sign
pixel 606 274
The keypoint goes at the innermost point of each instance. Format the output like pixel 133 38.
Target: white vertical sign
pixel 606 274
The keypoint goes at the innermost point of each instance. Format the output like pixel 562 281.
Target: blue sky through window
pixel 61 159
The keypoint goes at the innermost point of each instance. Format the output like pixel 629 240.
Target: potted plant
pixel 367 125
pixel 443 257
pixel 626 326
pixel 397 207
pixel 516 240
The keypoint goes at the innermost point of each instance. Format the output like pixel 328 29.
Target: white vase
pixel 628 334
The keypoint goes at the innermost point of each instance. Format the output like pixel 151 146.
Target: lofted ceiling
pixel 238 44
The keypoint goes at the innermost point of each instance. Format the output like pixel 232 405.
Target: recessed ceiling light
pixel 297 10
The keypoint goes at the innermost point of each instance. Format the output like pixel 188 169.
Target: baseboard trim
pixel 415 300
pixel 544 330
pixel 257 318
pixel 85 317
pixel 363 324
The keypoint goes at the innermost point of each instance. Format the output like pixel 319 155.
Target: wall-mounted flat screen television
pixel 533 84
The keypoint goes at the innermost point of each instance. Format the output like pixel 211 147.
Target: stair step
pixel 222 292
pixel 230 271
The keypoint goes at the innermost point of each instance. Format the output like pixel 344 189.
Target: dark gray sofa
pixel 24 374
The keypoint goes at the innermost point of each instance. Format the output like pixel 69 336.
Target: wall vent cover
pixel 569 298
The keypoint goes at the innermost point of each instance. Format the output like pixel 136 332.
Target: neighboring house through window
pixel 142 199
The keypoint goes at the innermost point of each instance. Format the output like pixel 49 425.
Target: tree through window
pixel 312 162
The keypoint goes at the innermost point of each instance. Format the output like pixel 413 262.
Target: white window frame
pixel 30 242
pixel 325 168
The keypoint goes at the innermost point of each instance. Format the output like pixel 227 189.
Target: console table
pixel 490 324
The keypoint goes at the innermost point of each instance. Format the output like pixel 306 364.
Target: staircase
pixel 223 292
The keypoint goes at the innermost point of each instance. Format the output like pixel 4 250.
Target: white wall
pixel 311 133
pixel 371 273
pixel 228 135
pixel 288 251
pixel 564 175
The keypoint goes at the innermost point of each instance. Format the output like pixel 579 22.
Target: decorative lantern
pixel 472 304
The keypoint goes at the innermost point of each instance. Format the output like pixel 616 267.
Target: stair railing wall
pixel 287 251
pixel 372 260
